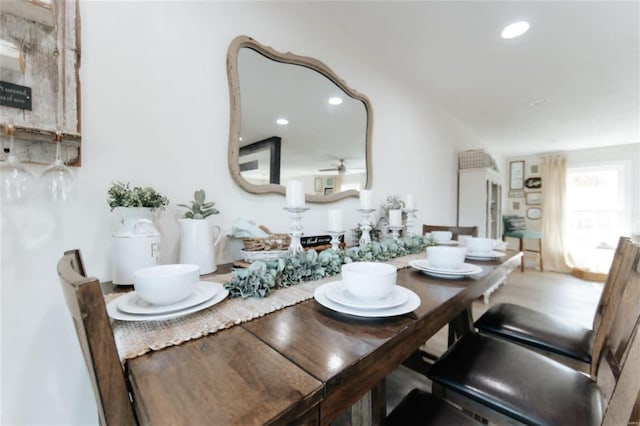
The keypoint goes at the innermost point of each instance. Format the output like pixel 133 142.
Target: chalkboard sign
pixel 318 240
pixel 15 96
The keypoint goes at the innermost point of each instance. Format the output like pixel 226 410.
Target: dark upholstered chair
pixel 514 227
pixel 455 230
pixel 555 335
pixel 513 381
pixel 86 303
pixel 420 408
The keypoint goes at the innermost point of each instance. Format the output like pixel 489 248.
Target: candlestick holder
pixel 335 239
pixel 395 232
pixel 365 227
pixel 411 222
pixel 295 247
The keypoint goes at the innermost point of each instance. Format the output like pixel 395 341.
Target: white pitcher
pixel 198 243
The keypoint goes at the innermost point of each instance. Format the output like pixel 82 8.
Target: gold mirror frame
pixel 234 131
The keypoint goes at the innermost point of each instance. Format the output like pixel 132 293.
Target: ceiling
pixel 570 82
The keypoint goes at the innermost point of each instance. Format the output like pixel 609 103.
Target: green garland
pixel 261 278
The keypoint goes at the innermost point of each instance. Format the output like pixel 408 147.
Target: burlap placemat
pixel 135 338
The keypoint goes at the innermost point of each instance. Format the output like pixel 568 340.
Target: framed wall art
pixel 534 213
pixel 516 175
pixel 515 194
pixel 534 198
pixel 533 183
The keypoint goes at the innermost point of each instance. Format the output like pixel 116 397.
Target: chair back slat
pixel 85 302
pixel 618 364
pixel 455 230
pixel 603 303
pixel 620 301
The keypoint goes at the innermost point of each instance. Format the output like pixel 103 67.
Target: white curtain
pixel 554 179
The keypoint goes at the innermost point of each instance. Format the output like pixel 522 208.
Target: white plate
pixel 263 255
pixel 131 303
pixel 340 294
pixel 467 268
pixel 447 243
pixel 409 306
pixel 490 255
pixel 115 313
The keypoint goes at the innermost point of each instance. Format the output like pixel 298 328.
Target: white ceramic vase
pixel 135 245
pixel 198 240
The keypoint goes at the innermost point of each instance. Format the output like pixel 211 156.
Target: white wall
pixel 155 111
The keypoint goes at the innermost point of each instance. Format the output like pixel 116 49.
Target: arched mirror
pixel 293 118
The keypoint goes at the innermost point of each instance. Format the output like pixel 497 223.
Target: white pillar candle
pixel 395 217
pixel 408 202
pixel 335 221
pixel 366 199
pixel 295 194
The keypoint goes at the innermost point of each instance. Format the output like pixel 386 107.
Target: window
pixel 597 214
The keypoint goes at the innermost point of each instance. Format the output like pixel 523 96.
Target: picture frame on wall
pixel 534 213
pixel 534 198
pixel 515 194
pixel 317 184
pixel 534 169
pixel 328 191
pixel 516 175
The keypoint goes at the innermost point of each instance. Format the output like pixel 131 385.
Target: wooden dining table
pixel 304 364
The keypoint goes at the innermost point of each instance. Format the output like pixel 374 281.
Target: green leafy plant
pixel 122 195
pixel 262 278
pixel 198 208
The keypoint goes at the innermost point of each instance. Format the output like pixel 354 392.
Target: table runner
pixel 135 338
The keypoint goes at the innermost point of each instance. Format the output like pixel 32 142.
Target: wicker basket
pixel 270 242
pixel 474 158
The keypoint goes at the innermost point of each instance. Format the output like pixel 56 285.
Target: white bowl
pixel 369 280
pixel 441 236
pixel 479 245
pixel 446 257
pixel 166 284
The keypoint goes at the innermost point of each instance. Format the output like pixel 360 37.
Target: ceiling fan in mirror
pixel 341 168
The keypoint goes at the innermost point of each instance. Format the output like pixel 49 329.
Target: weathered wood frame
pixel 234 130
pixel 35 137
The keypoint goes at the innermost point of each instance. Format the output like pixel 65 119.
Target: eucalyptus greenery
pixel 261 278
pixel 198 208
pixel 122 195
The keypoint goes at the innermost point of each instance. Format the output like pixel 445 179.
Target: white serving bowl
pixel 166 284
pixel 479 245
pixel 369 280
pixel 441 236
pixel 446 257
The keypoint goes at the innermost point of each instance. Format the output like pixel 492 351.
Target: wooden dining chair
pixel 499 379
pixel 455 230
pixel 85 302
pixel 554 335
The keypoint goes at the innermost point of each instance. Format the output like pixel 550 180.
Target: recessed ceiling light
pixel 282 121
pixel 240 138
pixel 515 30
pixel 537 102
pixel 335 100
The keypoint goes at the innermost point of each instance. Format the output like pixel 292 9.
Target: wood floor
pixel 556 294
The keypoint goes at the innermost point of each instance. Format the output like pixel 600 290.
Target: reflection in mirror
pixel 322 127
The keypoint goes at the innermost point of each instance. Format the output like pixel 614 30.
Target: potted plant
pixel 122 195
pixel 197 237
pixel 136 243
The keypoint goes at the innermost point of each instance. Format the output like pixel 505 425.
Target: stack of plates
pixel 335 296
pixel 447 243
pixel 490 255
pixel 466 270
pixel 131 307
